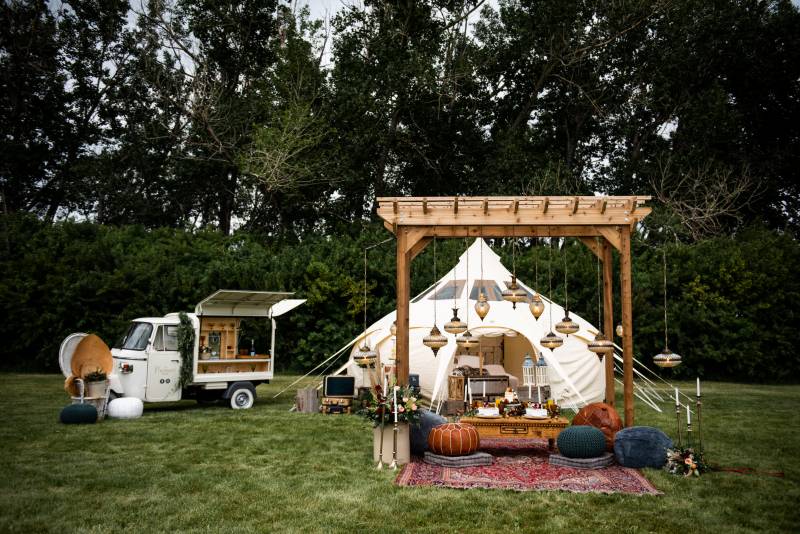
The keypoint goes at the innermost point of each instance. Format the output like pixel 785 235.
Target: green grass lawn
pixel 183 467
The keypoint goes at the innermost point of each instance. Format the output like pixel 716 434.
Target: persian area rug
pixel 522 465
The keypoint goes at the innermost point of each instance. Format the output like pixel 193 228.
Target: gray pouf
pixel 419 434
pixel 581 441
pixel 641 446
pixel 470 460
pixel 583 463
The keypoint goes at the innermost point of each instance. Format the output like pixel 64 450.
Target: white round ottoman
pixel 125 408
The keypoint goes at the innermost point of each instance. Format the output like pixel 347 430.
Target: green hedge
pixel 732 299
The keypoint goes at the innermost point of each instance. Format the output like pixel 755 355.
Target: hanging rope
pixel 435 279
pixel 566 295
pixel 664 253
pixel 599 315
pixel 365 291
pixel 535 264
pixel 550 277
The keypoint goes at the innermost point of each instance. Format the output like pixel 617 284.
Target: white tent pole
pixel 649 403
pixel 338 352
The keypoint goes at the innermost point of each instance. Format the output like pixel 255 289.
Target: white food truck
pixel 147 361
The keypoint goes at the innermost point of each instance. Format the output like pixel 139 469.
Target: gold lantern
pixel 536 306
pixel 365 357
pixel 513 293
pixel 467 341
pixel 601 346
pixel 619 330
pixel 551 341
pixel 435 340
pixel 667 359
pixel 482 306
pixel 455 325
pixel 567 325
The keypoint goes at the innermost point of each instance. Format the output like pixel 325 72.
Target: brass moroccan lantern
pixel 513 293
pixel 666 358
pixel 566 325
pixel 365 357
pixel 455 325
pixel 435 340
pixel 619 330
pixel 601 346
pixel 467 341
pixel 536 306
pixel 482 306
pixel 551 341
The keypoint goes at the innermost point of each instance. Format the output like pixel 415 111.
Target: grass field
pixel 188 468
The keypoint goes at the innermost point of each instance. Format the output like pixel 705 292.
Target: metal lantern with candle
pixel 528 374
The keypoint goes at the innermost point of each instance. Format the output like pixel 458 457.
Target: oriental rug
pixel 522 465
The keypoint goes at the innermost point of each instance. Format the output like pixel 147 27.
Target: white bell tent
pixel 577 377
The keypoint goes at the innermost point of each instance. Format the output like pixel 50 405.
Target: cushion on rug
pixel 641 446
pixel 471 460
pixel 78 414
pixel 419 434
pixel 601 461
pixel 603 417
pixel 453 439
pixel 581 442
pixel 125 408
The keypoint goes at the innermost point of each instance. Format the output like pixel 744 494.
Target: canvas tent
pixel 577 377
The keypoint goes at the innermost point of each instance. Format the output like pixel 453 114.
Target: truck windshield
pixel 136 337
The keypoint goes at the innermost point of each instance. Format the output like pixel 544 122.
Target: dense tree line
pixel 250 141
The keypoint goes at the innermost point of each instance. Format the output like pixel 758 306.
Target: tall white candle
pixel 688 415
pixel 484 388
pixel 698 386
pixel 529 392
pixel 677 402
pixel 395 404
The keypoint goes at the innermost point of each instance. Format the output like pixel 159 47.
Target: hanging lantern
pixel 666 359
pixel 455 325
pixel 467 341
pixel 619 330
pixel 393 328
pixel 482 306
pixel 435 340
pixel 528 371
pixel 365 356
pixel 551 341
pixel 513 293
pixel 542 378
pixel 601 346
pixel 567 325
pixel 536 306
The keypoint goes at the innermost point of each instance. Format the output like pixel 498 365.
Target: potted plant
pixel 385 416
pixel 96 383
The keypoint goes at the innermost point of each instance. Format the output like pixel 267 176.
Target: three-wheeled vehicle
pixel 147 361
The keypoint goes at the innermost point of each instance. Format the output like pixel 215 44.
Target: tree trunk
pixel 227 200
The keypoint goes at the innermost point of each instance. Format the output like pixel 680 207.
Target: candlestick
pixel 699 420
pixel 395 404
pixel 677 402
pixel 688 429
pixel 678 419
pixel 529 393
pixel 688 415
pixel 484 388
pixel 698 386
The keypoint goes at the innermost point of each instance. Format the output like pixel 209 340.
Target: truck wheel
pixel 242 398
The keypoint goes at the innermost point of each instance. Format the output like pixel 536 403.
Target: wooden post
pixel 626 293
pixel 608 318
pixel 403 296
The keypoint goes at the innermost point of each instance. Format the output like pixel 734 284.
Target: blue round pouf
pixel 78 414
pixel 419 434
pixel 581 442
pixel 641 446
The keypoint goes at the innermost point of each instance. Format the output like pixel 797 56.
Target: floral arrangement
pixel 686 462
pixel 380 407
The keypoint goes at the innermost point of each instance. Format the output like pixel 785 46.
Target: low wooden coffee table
pixel 518 427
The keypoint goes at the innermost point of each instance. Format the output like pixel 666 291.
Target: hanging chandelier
pixel 482 306
pixel 600 345
pixel 566 325
pixel 551 341
pixel 536 305
pixel 455 325
pixel 365 356
pixel 435 340
pixel 666 358
pixel 513 293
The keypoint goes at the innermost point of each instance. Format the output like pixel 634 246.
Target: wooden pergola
pixel 601 223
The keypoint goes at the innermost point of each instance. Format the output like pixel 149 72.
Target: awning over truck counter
pixel 237 303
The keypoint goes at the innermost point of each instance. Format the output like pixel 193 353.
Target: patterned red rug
pixel 522 465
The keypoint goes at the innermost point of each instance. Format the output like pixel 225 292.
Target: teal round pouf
pixel 77 414
pixel 581 442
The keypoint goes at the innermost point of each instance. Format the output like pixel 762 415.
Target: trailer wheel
pixel 242 398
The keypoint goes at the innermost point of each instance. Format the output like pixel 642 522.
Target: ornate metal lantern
pixel 551 341
pixel 528 371
pixel 537 306
pixel 619 331
pixel 455 325
pixel 567 325
pixel 513 293
pixel 365 357
pixel 482 306
pixel 467 341
pixel 601 346
pixel 435 340
pixel 666 359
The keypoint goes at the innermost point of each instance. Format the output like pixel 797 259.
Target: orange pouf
pixel 453 439
pixel 601 416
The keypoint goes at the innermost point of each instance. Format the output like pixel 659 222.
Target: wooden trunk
pixel 455 387
pixel 307 400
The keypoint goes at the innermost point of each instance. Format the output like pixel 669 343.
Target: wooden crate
pixel 453 407
pixel 455 387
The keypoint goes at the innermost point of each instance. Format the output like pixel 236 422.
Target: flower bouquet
pixel 380 408
pixel 685 461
